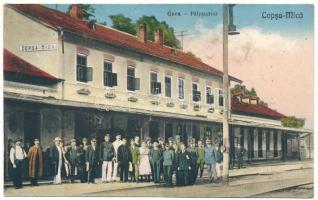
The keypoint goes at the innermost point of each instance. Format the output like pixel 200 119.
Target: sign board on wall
pixel 38 47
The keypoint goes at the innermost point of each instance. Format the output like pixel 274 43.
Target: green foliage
pixel 253 92
pixel 236 89
pixel 125 24
pixel 293 122
pixel 87 10
pixel 122 23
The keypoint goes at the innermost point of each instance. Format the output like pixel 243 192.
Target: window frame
pixel 150 82
pixel 134 68
pixel 112 69
pixel 76 69
pixel 171 84
pixel 206 95
pixel 183 88
pixel 197 90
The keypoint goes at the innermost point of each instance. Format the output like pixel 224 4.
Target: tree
pixel 125 24
pixel 122 23
pixel 87 10
pixel 293 122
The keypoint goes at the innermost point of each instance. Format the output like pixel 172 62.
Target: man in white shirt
pixel 56 155
pixel 116 144
pixel 17 155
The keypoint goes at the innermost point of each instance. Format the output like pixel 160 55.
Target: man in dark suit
pixel 184 165
pixel 193 150
pixel 91 158
pixel 73 156
pixel 124 157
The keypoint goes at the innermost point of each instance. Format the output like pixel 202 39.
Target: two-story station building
pixel 67 77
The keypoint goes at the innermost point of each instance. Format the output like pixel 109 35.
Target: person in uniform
pixel 91 160
pixel 116 145
pixel 161 146
pixel 107 154
pixel 57 160
pixel 35 156
pixel 168 161
pixel 184 165
pixel 200 161
pixel 17 156
pixel 135 158
pixel 192 149
pixel 124 158
pixel 210 158
pixel 144 164
pixel 155 160
pixel 73 156
pixel 170 142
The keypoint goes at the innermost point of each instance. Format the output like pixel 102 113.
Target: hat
pixel 36 140
pixel 170 139
pixel 57 139
pixel 208 141
pixel 84 138
pixel 73 140
pixel 93 139
pixel 18 140
pixel 147 139
pixel 177 136
pixel 160 138
pixel 107 135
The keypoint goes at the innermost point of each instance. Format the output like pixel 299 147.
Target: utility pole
pixel 226 138
pixel 228 29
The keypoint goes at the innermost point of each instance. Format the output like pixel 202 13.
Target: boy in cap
pixel 35 155
pixel 17 156
pixel 91 158
pixel 107 154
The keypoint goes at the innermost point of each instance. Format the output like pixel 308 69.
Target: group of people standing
pixel 135 161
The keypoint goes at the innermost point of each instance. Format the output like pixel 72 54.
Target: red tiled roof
pixel 55 19
pixel 255 109
pixel 15 64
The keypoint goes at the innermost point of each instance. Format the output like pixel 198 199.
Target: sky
pixel 275 56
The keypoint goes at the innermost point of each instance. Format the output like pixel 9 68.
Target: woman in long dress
pixel 144 166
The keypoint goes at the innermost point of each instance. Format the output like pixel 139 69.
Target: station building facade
pixel 67 77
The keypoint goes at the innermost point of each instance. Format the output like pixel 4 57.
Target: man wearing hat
pixel 57 160
pixel 194 157
pixel 210 158
pixel 155 158
pixel 107 154
pixel 168 161
pixel 82 162
pixel 17 156
pixel 35 155
pixel 73 156
pixel 91 158
pixel 124 158
pixel 184 165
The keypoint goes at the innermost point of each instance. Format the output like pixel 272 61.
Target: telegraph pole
pixel 228 29
pixel 226 138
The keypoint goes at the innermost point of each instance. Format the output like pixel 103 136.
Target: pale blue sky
pixel 245 15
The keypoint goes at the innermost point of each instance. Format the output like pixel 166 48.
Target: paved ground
pixel 247 182
pixel 303 191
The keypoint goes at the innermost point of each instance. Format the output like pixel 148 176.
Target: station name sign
pixel 38 47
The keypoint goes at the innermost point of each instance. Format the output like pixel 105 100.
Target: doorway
pixel 154 130
pixel 31 127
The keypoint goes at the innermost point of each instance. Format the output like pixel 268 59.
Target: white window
pixel 168 86
pixel 181 88
pixel 196 94
pixel 155 86
pixel 220 97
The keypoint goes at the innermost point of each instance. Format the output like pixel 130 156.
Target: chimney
pixel 76 12
pixel 142 34
pixel 159 37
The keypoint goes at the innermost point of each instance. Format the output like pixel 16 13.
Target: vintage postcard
pixel 158 100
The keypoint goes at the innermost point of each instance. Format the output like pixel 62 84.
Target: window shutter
pixel 114 79
pixel 137 83
pixel 89 74
pixel 199 95
pixel 158 87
